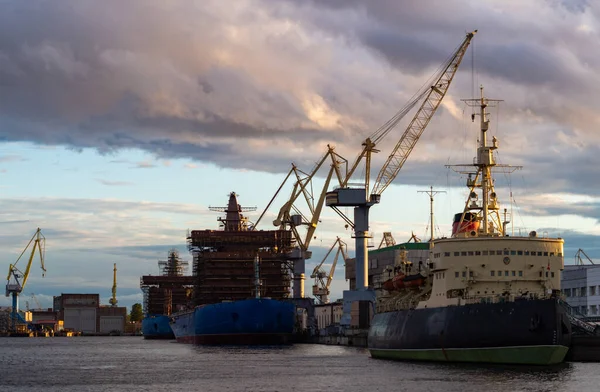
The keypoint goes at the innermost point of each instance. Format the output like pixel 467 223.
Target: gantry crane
pixel 360 197
pixel 16 279
pixel 323 279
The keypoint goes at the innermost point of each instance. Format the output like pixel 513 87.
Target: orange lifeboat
pixel 402 281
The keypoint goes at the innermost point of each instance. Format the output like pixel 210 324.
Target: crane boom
pixel 415 129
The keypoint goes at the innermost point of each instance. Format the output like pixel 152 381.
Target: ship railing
pixel 498 298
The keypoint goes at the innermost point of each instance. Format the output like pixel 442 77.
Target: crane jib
pixel 415 129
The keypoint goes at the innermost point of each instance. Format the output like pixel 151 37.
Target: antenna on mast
pixel 431 194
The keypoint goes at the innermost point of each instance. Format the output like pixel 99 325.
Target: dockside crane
pixel 16 279
pixel 113 300
pixel 361 197
pixel 579 260
pixel 323 279
pixel 290 217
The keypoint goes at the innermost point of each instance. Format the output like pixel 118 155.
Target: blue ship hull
pixel 156 326
pixel 246 322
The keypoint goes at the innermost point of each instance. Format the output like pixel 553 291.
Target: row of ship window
pixel 500 274
pixel 504 252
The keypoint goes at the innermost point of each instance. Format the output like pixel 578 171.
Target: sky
pixel 122 122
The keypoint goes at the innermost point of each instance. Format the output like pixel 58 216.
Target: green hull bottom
pixel 523 355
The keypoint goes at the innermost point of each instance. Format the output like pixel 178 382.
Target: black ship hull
pixel 521 332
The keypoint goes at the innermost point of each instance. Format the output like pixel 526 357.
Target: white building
pixel 581 287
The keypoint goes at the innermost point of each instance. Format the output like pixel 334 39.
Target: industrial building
pixel 581 287
pixel 83 313
pixel 327 315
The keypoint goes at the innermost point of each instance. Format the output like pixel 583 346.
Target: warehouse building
pixel 83 313
pixel 581 287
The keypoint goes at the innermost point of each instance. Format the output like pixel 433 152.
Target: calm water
pixel 133 364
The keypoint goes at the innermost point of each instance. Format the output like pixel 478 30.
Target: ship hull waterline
pixel 245 322
pixel 157 327
pixel 533 332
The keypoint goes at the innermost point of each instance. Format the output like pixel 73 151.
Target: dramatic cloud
pixel 258 84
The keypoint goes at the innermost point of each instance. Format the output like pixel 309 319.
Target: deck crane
pixel 290 216
pixel 322 278
pixel 360 197
pixel 16 279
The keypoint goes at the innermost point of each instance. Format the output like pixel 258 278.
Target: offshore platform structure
pixel 17 279
pixel 166 293
pixel 225 261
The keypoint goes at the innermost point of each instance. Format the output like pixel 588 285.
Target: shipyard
pixel 269 196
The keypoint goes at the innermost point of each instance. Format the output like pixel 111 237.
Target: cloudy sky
pixel 121 122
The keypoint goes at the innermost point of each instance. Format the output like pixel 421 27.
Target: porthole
pixel 506 260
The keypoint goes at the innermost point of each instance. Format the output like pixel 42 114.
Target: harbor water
pixel 133 364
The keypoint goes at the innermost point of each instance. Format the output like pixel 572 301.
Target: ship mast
pixel 487 212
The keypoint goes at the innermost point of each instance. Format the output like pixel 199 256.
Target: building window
pixel 492 273
pixel 520 252
pixel 513 252
pixel 446 254
pixel 477 253
pixel 594 309
pixel 456 274
pixel 592 290
pixel 514 273
pixel 520 273
pixel 559 254
pixel 499 273
pixel 506 252
pixel 545 253
pixel 470 253
pixel 540 253
pixel 526 253
pixel 582 292
pixel 463 253
pixel 456 253
pixel 567 292
pixel 499 252
pixel 485 252
pixel 505 273
pixel 551 253
pixel 464 274
pixel 470 274
pixel 552 274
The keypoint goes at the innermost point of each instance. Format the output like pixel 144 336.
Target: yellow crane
pixel 16 279
pixel 361 197
pixel 113 301
pixel 323 279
